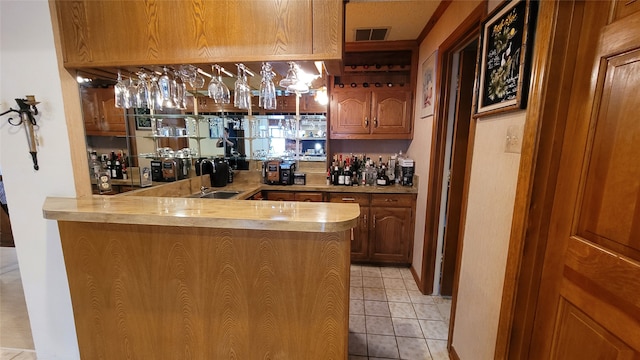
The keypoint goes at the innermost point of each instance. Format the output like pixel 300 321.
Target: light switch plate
pixel 513 142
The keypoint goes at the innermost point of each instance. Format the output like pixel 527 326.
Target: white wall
pixel 28 66
pixel 489 214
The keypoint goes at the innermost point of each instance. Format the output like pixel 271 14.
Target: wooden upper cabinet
pixel 126 33
pixel 101 117
pixel 376 114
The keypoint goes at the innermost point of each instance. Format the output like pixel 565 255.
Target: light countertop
pixel 210 213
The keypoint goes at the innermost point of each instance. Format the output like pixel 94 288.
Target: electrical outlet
pixel 514 139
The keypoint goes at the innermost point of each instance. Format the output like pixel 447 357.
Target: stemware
pixel 180 94
pixel 267 99
pixel 167 89
pixel 155 94
pixel 143 94
pixel 242 93
pixel 119 90
pixel 130 94
pixel 218 91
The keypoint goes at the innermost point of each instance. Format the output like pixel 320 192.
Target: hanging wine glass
pixel 242 93
pixel 155 94
pixel 180 94
pixel 143 94
pixel 267 99
pixel 166 87
pixel 119 90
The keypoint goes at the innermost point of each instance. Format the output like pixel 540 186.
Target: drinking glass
pixel 242 94
pixel 155 94
pixel 143 94
pixel 119 90
pixel 218 91
pixel 180 94
pixel 167 89
pixel 130 94
pixel 267 98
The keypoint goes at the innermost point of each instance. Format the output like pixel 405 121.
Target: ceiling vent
pixel 378 34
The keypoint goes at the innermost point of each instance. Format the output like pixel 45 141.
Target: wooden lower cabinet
pixel 385 230
pixel 293 196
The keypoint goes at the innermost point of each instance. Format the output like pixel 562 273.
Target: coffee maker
pixel 272 172
pixel 287 169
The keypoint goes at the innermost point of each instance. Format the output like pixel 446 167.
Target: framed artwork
pixel 142 122
pixel 427 95
pixel 504 63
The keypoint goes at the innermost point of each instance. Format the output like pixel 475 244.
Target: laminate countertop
pixel 207 213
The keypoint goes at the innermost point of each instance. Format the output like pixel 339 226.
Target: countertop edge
pixel 228 214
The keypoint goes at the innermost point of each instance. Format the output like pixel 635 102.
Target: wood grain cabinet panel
pixel 101 117
pixel 365 114
pixel 125 33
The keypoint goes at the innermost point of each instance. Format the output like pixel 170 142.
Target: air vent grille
pixel 377 34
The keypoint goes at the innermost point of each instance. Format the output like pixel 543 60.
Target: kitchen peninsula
pixel 176 277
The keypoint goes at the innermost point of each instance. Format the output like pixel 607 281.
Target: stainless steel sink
pixel 218 194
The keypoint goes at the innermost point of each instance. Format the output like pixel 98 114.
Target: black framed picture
pixel 143 121
pixel 505 51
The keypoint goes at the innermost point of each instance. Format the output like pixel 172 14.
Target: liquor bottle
pixel 94 165
pixel 328 176
pixel 347 175
pixel 383 179
pixel 336 175
pixel 341 175
pixel 112 166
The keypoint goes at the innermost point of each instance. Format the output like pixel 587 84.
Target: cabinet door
pixel 391 112
pixel 112 118
pixel 360 241
pixel 90 110
pixel 309 196
pixel 350 113
pixel 279 195
pixel 390 234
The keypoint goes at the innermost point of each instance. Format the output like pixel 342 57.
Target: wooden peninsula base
pixel 148 291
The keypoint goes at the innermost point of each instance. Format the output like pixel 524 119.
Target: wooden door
pixel 309 196
pixel 455 200
pixel 350 112
pixel 389 234
pixel 360 240
pixel 589 297
pixel 391 112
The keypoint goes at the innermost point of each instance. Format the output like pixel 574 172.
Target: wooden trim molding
pixel 73 115
pixel 470 25
pixel 437 14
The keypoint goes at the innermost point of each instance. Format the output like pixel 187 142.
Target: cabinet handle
pixel 352 237
pixel 365 225
pixel 374 221
pixel 391 200
pixel 366 121
pixel 375 122
pixel 348 199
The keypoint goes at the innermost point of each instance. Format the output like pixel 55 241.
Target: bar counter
pixel 188 278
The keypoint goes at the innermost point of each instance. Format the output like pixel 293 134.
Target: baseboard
pixel 417 280
pixel 453 354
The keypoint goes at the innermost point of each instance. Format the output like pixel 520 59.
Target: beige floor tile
pixel 357 344
pixel 427 312
pixel 375 294
pixel 390 283
pixel 435 329
pixel 356 281
pixel 379 325
pixel 406 274
pixel 372 282
pixel 357 324
pixel 407 327
pixel 418 298
pixel 356 307
pixel 356 293
pixel 376 308
pixel 413 349
pixel 371 271
pixel 402 310
pixel 382 346
pixel 445 310
pixel 358 357
pixel 356 270
pixel 391 272
pixel 411 284
pixel 398 295
pixel 438 349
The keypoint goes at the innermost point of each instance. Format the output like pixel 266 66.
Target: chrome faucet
pixel 203 189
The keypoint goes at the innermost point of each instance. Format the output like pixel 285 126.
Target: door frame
pixel 468 28
pixel 554 58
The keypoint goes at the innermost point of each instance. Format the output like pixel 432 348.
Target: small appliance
pixel 156 170
pixel 273 172
pixel 287 169
pixel 220 174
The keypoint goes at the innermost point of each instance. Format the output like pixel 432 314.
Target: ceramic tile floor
pixel 16 342
pixel 390 319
